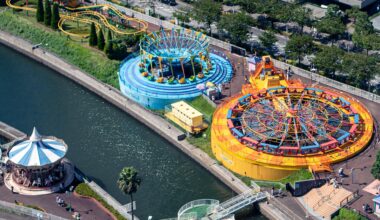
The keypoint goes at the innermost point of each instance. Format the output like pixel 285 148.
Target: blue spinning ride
pixel 169 67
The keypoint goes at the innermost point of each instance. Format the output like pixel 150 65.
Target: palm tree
pixel 129 182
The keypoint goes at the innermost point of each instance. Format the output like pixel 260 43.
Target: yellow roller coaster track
pixel 77 14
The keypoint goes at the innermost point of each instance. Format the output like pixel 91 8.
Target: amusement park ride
pixel 277 126
pixel 97 14
pixel 173 65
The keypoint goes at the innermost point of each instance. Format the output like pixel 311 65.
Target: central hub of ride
pixel 175 55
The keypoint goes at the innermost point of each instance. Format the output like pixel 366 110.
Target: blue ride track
pixel 156 95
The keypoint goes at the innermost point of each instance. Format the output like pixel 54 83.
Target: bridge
pixel 236 203
pixel 210 209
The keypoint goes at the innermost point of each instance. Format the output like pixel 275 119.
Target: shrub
pixel 345 214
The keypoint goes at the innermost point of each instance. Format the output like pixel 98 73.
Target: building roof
pixel 37 151
pixel 186 109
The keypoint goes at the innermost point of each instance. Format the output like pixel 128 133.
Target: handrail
pixel 324 198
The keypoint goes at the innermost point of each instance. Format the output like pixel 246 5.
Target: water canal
pixel 101 138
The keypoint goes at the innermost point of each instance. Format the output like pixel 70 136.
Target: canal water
pixel 101 138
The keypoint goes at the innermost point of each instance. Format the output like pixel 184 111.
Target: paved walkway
pixel 86 207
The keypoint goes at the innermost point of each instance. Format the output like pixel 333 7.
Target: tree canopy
pixel 207 11
pixel 40 11
pixel 128 182
pixel 361 69
pixel 237 25
pixel 301 16
pixel 101 41
pixel 55 16
pixel 329 60
pixel 108 48
pixel 268 39
pixel 299 45
pixel 47 16
pixel 93 40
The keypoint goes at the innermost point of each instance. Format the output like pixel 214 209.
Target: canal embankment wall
pixel 155 122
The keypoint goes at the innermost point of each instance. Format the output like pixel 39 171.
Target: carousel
pixel 37 166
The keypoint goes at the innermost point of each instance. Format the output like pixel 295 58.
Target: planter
pixel 144 74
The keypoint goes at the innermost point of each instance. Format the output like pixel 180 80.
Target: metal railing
pixel 236 203
pixel 21 210
pixel 349 198
pixel 329 82
pixel 195 203
pixel 324 199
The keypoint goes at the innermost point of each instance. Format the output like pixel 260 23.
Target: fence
pixel 329 82
pixel 200 202
pixel 25 211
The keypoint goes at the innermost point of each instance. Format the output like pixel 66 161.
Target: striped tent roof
pixel 37 151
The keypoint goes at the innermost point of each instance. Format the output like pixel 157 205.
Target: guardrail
pixel 25 211
pixel 349 198
pixel 199 202
pixel 329 82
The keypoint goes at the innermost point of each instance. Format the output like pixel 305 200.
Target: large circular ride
pixel 270 132
pixel 172 65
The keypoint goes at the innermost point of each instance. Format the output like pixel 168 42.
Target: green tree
pixel 347 214
pixel 237 25
pixel 361 69
pixel 268 39
pixel 47 15
pixel 364 33
pixel 207 11
pixel 299 45
pixel 182 17
pixel 301 16
pixel 128 182
pixel 55 16
pixel 329 60
pixel 331 25
pixel 101 41
pixel 354 12
pixel 93 40
pixel 108 48
pixel 40 11
pixel 249 6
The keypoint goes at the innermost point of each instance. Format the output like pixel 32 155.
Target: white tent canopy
pixel 37 151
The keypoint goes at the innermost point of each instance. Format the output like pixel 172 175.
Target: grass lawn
pixel 203 106
pixel 76 27
pixel 79 54
pixel 302 174
pixel 203 140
